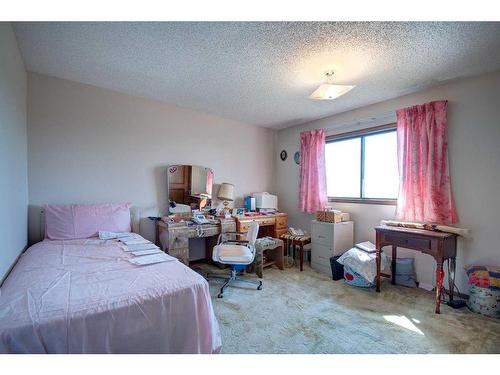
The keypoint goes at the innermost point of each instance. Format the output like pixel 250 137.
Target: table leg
pixel 393 264
pixel 379 249
pixel 301 255
pixel 439 284
pixel 280 261
pixel 451 277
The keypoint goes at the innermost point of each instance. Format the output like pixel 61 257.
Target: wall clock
pixel 283 155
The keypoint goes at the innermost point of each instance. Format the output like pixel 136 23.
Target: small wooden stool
pixel 299 241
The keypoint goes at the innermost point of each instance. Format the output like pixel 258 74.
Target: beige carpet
pixel 306 312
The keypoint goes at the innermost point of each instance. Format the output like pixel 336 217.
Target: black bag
pixel 337 268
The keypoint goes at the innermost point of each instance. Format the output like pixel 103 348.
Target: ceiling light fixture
pixel 329 91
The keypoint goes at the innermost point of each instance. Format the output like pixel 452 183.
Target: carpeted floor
pixel 306 312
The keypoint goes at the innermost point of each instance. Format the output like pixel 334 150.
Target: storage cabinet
pixel 327 240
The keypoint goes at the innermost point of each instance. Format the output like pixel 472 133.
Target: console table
pixel 440 245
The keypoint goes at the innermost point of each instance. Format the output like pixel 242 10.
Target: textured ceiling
pixel 260 73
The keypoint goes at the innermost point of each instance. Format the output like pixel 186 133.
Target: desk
pixel 174 237
pixel 440 245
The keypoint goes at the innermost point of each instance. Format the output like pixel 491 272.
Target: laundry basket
pixel 484 301
pixel 484 294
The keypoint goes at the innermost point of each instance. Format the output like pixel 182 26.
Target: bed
pixel 65 296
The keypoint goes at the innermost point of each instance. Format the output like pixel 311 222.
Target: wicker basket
pixel 329 216
pixel 320 215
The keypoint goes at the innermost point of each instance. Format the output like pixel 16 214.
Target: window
pixel 363 166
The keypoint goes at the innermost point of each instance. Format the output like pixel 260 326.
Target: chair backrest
pixel 253 231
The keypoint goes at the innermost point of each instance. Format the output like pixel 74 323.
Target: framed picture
pixel 238 211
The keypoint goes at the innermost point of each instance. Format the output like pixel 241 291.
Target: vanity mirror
pixel 189 186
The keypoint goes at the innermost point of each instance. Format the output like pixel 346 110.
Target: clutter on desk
pixel 265 201
pixel 427 226
pixel 250 203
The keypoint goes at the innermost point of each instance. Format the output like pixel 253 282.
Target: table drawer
pixel 409 242
pixel 322 234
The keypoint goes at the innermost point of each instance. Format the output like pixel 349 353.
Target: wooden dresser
pixel 269 225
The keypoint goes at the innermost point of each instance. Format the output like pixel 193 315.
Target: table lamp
pixel 226 194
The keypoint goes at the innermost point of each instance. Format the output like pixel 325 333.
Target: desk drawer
pixel 245 225
pixel 267 221
pixel 177 242
pixel 281 222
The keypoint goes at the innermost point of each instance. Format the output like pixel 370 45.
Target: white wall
pixel 13 153
pixel 474 152
pixel 88 144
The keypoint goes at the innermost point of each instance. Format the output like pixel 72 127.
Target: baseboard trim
pixel 12 266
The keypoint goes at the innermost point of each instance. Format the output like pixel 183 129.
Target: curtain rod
pixel 386 116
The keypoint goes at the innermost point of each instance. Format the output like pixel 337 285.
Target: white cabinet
pixel 327 240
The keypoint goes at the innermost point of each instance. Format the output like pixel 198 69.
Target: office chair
pixel 238 254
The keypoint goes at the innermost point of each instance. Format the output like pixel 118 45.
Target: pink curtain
pixel 312 171
pixel 424 180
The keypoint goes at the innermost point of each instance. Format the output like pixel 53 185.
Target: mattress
pixel 68 297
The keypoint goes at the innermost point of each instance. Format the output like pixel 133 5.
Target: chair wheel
pixel 260 286
pixel 219 295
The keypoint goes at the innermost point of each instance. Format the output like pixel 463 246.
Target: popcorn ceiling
pixel 260 73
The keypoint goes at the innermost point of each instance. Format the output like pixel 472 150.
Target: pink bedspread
pixel 66 297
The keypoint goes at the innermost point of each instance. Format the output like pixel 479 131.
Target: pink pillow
pixel 73 221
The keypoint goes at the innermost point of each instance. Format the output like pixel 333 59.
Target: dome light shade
pixel 328 91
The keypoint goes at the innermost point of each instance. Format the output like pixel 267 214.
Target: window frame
pixel 362 134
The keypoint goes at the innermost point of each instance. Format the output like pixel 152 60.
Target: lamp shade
pixel 226 192
pixel 329 92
